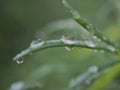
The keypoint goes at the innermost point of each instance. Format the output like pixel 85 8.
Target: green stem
pixel 59 43
pixel 90 28
pixel 110 46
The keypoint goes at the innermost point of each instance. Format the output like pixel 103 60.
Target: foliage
pixel 79 34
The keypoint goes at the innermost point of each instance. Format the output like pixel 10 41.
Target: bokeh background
pixel 21 20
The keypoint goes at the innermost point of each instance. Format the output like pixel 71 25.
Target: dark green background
pixel 21 19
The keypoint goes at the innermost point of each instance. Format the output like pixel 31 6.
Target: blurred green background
pixel 21 20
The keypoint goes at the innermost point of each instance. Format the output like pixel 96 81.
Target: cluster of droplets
pixel 68 39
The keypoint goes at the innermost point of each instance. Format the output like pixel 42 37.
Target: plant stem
pixel 90 28
pixel 58 43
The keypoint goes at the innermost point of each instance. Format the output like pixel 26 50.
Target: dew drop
pixel 20 61
pixel 68 39
pixel 36 43
pixel 68 36
pixel 68 48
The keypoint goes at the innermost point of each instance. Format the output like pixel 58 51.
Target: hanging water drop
pixel 20 61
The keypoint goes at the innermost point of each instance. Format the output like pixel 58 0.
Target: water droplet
pixel 68 39
pixel 68 48
pixel 36 43
pixel 90 43
pixel 20 61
